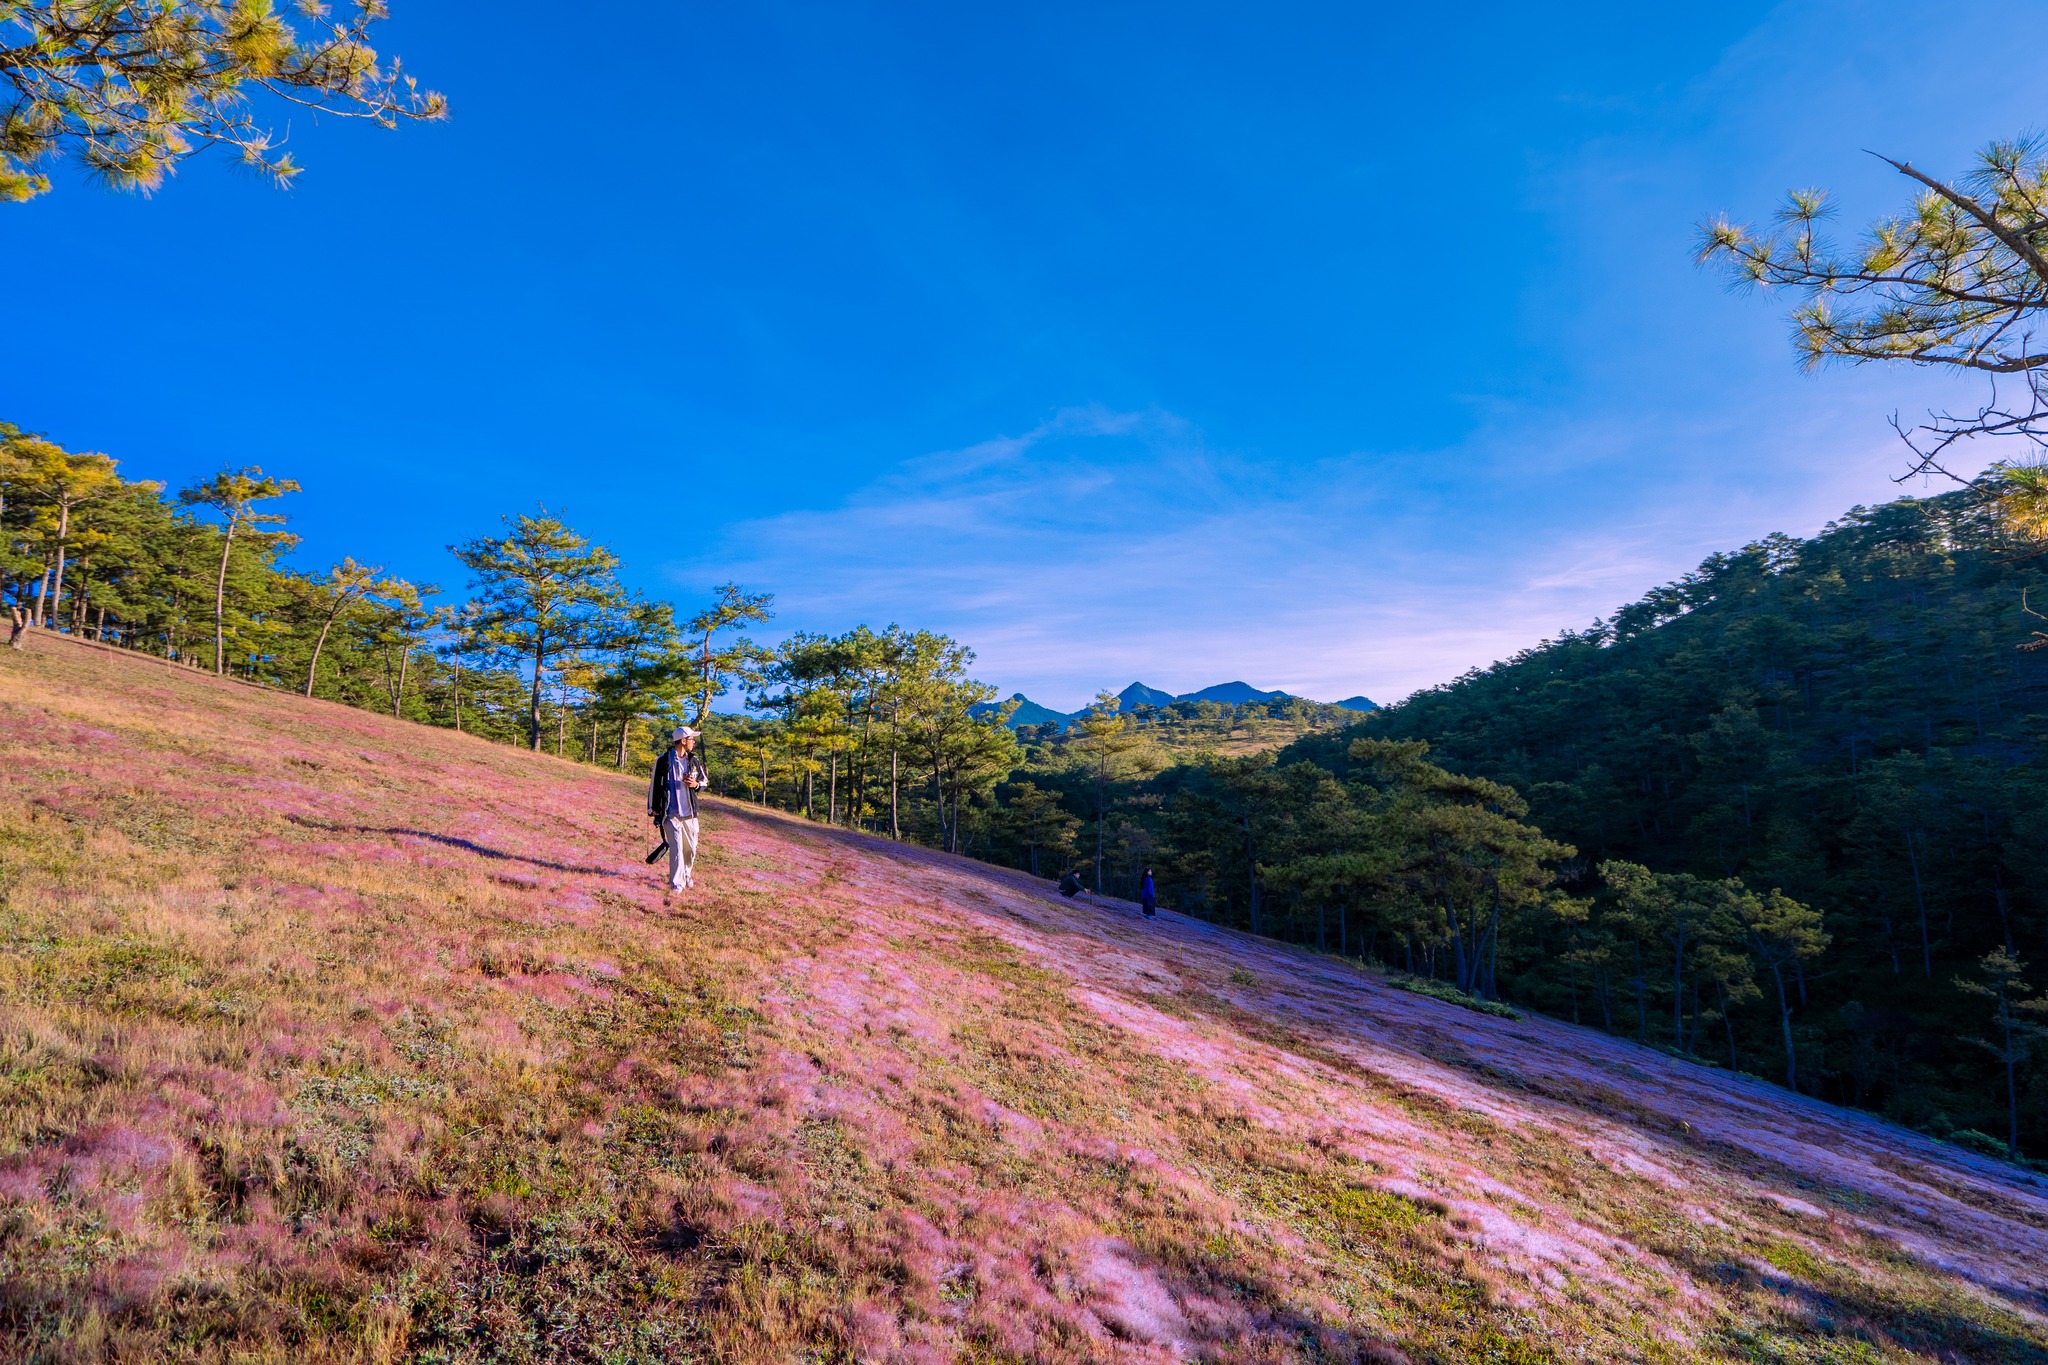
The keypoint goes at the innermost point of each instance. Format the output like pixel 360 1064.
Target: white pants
pixel 681 834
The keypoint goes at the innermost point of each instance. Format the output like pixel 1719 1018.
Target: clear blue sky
pixel 1337 348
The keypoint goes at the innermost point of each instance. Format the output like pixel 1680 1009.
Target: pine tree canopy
pixel 132 88
pixel 1959 280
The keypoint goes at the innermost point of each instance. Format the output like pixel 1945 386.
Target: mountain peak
pixel 1232 693
pixel 1137 694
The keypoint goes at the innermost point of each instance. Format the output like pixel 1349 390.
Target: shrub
pixel 1971 1140
pixel 1451 995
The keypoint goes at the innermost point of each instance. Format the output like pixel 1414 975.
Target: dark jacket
pixel 657 787
pixel 1148 896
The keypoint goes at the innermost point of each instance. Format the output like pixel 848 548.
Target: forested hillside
pixel 1846 718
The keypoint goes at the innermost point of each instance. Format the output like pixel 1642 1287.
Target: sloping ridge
pixel 332 1035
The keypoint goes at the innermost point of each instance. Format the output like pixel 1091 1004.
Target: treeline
pixel 881 730
pixel 1220 725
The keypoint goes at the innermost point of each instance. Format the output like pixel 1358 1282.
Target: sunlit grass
pixel 326 1037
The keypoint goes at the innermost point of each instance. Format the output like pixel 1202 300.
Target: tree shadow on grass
pixel 466 845
pixel 1933 1331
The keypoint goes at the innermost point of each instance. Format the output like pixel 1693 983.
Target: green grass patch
pixel 1451 995
pixel 1793 1260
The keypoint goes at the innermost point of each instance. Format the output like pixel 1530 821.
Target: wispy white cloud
pixel 1103 546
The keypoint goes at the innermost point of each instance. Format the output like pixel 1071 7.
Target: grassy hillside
pixel 333 1037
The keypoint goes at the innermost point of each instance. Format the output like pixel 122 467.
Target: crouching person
pixel 672 800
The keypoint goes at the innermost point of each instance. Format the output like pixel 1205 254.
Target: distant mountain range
pixel 1029 712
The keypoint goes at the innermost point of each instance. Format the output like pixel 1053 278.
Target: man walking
pixel 672 801
pixel 1148 895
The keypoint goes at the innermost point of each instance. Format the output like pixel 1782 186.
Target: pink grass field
pixel 326 1036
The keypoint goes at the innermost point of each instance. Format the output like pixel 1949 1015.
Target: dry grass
pixel 328 1037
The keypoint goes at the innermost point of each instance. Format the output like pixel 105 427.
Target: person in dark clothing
pixel 1070 885
pixel 672 800
pixel 1148 895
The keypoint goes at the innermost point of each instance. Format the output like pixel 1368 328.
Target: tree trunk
pixel 2012 1103
pixel 398 701
pixel 1101 776
pixel 458 696
pixel 704 691
pixel 1487 950
pixel 895 830
pixel 625 732
pixel 540 655
pixel 320 644
pixel 63 534
pixel 1728 1026
pixel 1785 1024
pixel 860 766
pixel 1642 1000
pixel 1458 965
pixel 220 601
pixel 42 593
pixel 1926 947
pixel 1251 862
pixel 1678 988
pixel 832 789
pixel 1493 959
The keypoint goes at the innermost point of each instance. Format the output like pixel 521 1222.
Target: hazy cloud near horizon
pixel 1105 547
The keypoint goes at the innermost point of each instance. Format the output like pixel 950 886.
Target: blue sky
pixel 1331 347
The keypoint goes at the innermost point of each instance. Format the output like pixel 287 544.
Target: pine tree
pixel 2021 1022
pixel 1960 281
pixel 346 583
pixel 1104 735
pixel 234 494
pixel 544 592
pixel 134 87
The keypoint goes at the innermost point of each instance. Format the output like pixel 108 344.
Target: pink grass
pixel 420 986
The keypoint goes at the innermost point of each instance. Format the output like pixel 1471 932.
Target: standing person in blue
pixel 1148 895
pixel 672 800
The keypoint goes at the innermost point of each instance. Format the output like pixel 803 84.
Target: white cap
pixel 684 732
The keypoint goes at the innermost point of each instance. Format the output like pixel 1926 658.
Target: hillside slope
pixel 328 1036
